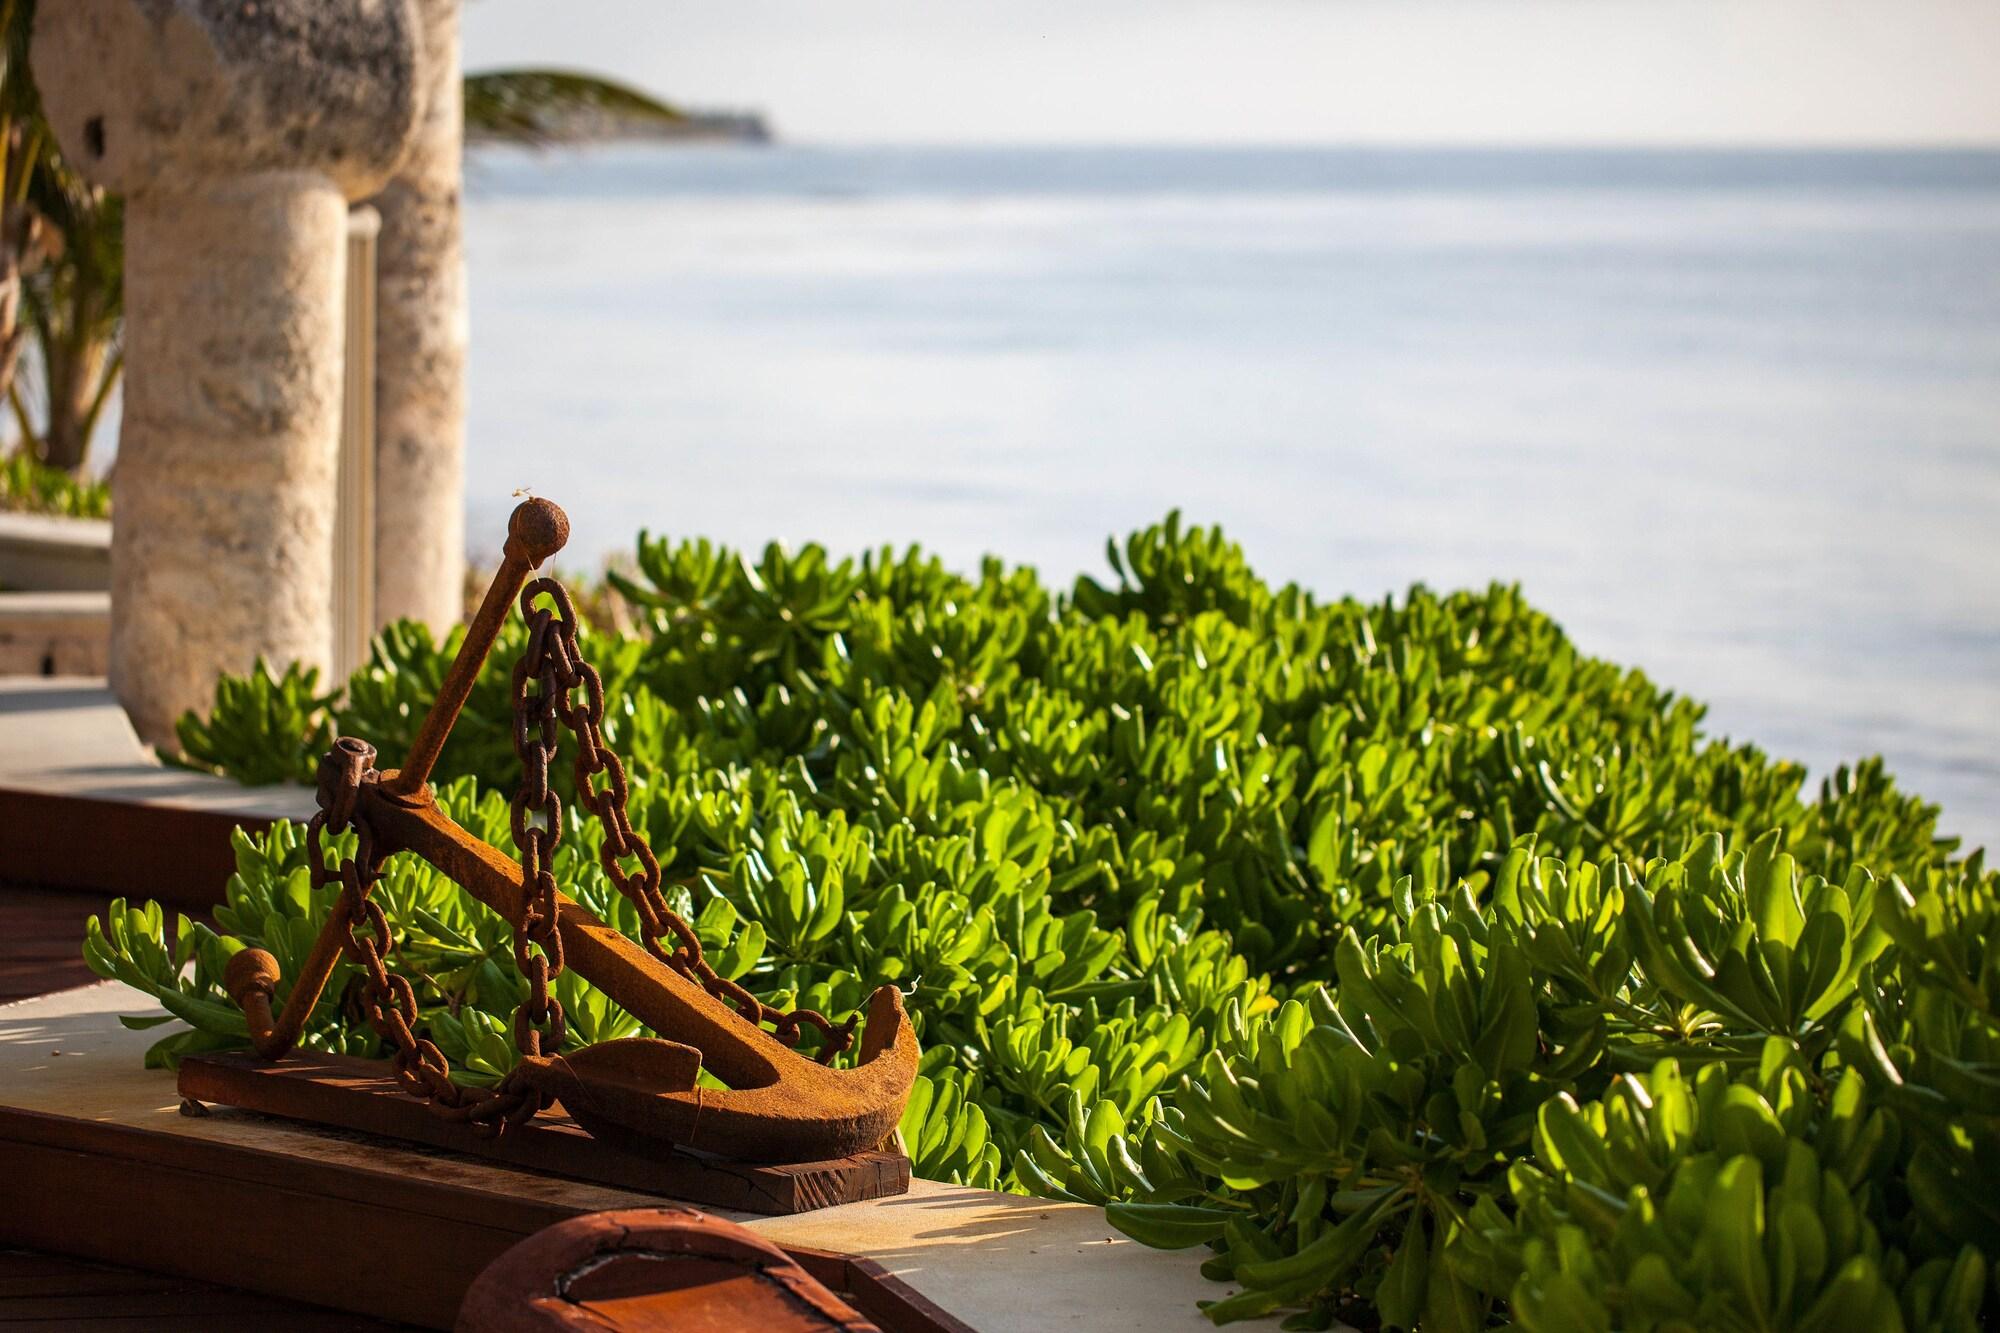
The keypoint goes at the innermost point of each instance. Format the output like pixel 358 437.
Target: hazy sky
pixel 1650 71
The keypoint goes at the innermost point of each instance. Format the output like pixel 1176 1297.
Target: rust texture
pixel 651 1268
pixel 779 1104
pixel 347 1092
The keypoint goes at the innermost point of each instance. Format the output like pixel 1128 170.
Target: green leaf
pixel 1169 1226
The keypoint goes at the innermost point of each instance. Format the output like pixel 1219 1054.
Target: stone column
pixel 238 132
pixel 421 337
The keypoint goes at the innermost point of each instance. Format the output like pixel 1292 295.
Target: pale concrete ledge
pixel 44 553
pixel 67 736
pixel 54 633
pixel 999 1262
pixel 61 605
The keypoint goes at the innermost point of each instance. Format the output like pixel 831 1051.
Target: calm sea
pixel 1733 417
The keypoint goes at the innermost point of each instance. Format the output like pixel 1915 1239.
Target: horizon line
pixel 780 140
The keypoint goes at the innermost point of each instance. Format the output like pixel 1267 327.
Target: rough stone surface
pixel 223 549
pixel 421 334
pixel 238 130
pixel 144 94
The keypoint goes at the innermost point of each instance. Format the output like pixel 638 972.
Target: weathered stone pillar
pixel 238 131
pixel 420 361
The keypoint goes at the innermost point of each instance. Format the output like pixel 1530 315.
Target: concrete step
pixel 42 553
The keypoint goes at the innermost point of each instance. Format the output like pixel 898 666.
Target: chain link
pixel 388 999
pixel 536 820
pixel 552 644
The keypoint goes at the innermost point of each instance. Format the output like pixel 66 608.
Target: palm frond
pixel 18 98
pixel 535 105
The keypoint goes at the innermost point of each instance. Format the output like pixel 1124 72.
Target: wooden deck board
pixel 41 940
pixel 41 951
pixel 48 1291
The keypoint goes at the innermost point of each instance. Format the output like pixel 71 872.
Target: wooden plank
pixel 361 1095
pixel 41 939
pixel 171 853
pixel 263 1318
pixel 188 1300
pixel 78 1280
pixel 301 1228
pixel 42 1275
pixel 45 1291
pixel 289 1317
pixel 28 1266
pixel 366 1258
pixel 432 1187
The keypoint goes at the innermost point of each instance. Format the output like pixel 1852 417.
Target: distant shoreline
pixel 694 127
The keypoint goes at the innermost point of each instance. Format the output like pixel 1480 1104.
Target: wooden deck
pixel 41 1291
pixel 41 950
pixel 41 940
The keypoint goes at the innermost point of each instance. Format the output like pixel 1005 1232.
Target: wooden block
pixel 361 1095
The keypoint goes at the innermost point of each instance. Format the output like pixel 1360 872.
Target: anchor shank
pixel 537 531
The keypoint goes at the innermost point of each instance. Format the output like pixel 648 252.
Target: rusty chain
pixel 552 643
pixel 387 998
pixel 536 820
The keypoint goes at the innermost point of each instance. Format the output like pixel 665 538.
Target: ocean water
pixel 1732 417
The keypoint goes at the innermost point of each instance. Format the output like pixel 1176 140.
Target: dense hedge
pixel 1422 967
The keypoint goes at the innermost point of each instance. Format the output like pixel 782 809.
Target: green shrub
pixel 262 729
pixel 28 487
pixel 1327 935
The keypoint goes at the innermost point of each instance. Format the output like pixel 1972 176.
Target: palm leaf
pixel 534 105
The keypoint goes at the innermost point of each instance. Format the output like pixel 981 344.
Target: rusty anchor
pixel 778 1105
